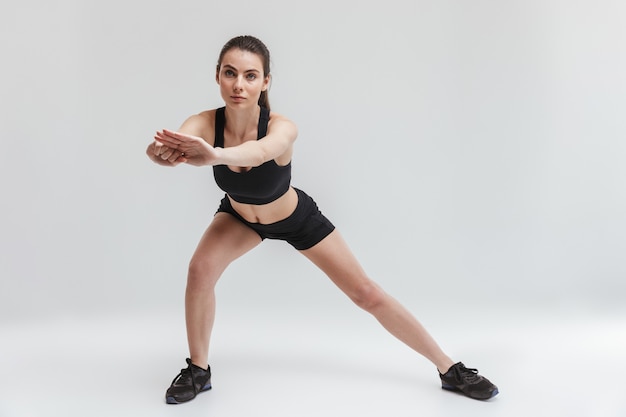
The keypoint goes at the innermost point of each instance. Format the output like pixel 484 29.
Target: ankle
pixel 445 366
pixel 200 364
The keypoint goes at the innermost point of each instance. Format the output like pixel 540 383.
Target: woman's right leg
pixel 225 240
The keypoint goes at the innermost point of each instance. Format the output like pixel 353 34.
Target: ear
pixel 266 82
pixel 217 74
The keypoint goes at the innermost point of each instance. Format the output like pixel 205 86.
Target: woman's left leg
pixel 333 256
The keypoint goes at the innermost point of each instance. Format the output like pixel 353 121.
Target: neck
pixel 239 121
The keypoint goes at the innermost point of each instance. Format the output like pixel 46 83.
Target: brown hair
pixel 250 44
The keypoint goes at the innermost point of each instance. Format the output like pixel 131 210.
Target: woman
pixel 250 149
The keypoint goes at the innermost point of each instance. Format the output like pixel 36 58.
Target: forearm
pixel 251 153
pixel 248 154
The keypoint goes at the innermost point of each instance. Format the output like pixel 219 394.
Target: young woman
pixel 250 149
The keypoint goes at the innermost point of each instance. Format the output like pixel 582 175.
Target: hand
pixel 164 155
pixel 193 149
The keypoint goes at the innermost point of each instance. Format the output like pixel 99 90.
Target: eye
pixel 251 76
pixel 229 73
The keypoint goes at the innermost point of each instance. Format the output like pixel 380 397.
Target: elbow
pixel 260 156
pixel 260 159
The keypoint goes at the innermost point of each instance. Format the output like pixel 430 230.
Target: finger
pixel 161 149
pixel 179 137
pixel 167 153
pixel 163 145
pixel 165 136
pixel 166 140
pixel 177 158
pixel 174 156
pixel 156 148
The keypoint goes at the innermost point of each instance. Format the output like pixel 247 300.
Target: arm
pixel 281 134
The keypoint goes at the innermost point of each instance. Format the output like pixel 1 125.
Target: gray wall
pixel 468 151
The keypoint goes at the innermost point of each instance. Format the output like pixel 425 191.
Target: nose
pixel 237 86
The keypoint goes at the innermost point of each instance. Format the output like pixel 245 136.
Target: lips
pixel 237 98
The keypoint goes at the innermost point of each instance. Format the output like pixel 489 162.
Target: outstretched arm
pixel 193 150
pixel 281 134
pixel 279 140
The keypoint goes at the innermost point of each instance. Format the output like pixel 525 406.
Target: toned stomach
pixel 273 212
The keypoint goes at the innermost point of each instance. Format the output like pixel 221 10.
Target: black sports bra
pixel 260 185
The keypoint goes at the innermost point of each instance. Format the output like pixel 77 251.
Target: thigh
pixel 225 240
pixel 333 256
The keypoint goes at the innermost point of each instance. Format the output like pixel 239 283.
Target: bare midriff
pixel 273 212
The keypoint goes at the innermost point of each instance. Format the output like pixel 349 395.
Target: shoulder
pixel 201 124
pixel 278 117
pixel 282 124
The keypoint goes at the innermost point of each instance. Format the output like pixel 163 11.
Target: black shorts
pixel 303 229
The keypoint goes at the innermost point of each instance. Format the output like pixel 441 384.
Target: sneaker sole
pixel 172 400
pixel 455 389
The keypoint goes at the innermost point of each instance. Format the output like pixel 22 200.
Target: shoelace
pixel 468 374
pixel 184 376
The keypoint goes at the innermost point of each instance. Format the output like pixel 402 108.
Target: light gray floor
pixel 546 363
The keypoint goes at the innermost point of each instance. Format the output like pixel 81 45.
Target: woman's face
pixel 240 78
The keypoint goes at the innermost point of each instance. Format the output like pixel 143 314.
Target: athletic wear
pixel 467 381
pixel 188 383
pixel 303 229
pixel 259 185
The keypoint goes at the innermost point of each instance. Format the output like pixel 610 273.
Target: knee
pixel 202 274
pixel 368 296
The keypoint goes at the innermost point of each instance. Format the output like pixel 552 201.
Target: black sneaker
pixel 467 381
pixel 188 383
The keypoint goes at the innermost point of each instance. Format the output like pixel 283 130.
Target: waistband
pixel 304 205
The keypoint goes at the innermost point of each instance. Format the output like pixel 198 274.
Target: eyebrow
pixel 250 70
